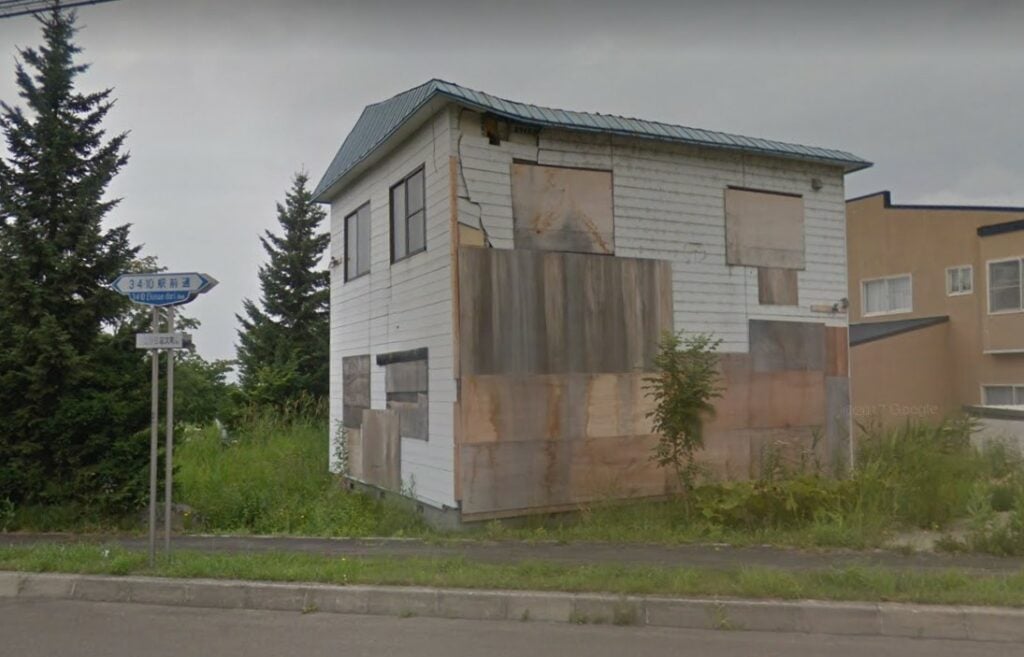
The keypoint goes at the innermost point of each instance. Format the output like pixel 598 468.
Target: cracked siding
pixel 669 204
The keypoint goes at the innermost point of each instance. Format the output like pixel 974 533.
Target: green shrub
pixel 272 477
pixel 686 382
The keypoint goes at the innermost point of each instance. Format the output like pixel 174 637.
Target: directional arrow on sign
pixel 162 288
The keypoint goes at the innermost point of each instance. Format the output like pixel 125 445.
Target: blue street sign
pixel 163 289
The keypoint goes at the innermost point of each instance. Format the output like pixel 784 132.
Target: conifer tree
pixel 283 342
pixel 70 393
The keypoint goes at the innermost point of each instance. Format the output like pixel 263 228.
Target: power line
pixel 11 8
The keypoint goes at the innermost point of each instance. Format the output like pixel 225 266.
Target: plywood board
pixel 779 345
pixel 530 312
pixel 777 287
pixel 354 447
pixel 838 422
pixel 764 229
pixel 766 400
pixel 470 236
pixel 382 449
pixel 408 376
pixel 525 475
pixel 562 209
pixel 837 351
pixel 412 416
pixel 355 372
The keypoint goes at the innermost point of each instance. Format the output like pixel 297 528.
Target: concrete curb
pixel 806 616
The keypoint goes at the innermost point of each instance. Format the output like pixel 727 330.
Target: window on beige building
pixel 1004 286
pixel 889 295
pixel 959 280
pixel 1003 395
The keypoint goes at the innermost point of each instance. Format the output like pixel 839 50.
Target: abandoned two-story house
pixel 501 276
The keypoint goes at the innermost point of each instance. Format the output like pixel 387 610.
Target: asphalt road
pixel 34 628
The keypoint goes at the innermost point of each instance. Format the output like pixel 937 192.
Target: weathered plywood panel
pixel 562 209
pixel 408 376
pixel 355 371
pixel 529 312
pixel 777 287
pixel 764 229
pixel 382 449
pixel 837 351
pixel 778 345
pixel 837 421
pixel 354 447
pixel 554 406
pixel 412 416
pixel 767 400
pixel 501 476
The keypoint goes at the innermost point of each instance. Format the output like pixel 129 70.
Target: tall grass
pixel 271 477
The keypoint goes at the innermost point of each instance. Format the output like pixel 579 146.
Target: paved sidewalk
pixel 707 556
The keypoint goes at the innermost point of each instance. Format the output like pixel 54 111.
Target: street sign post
pixel 162 290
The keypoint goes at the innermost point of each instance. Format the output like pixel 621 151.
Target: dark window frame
pixel 391 214
pixel 355 213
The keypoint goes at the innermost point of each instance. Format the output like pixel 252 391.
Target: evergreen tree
pixel 72 396
pixel 283 342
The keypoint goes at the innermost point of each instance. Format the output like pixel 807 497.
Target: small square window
pixel 408 216
pixel 357 243
pixel 959 280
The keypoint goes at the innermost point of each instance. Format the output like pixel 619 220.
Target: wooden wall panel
pixel 530 312
pixel 562 209
pixel 778 345
pixel 356 389
pixel 764 229
pixel 381 449
pixel 837 351
pixel 543 474
pixel 777 287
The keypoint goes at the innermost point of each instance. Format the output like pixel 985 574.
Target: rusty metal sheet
pixel 562 209
pixel 764 229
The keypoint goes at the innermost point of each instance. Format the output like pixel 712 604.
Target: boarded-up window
pixel 561 209
pixel 355 372
pixel 405 381
pixel 764 229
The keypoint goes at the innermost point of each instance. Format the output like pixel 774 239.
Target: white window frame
pixel 949 287
pixel 864 299
pixel 1017 388
pixel 988 285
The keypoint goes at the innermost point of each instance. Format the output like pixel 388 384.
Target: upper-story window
pixel 1005 286
pixel 408 217
pixel 884 296
pixel 959 280
pixel 357 243
pixel 1005 395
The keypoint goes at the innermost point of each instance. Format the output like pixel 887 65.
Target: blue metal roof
pixel 380 120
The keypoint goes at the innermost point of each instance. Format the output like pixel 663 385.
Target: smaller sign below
pixel 160 340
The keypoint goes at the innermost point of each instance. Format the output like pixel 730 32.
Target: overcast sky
pixel 225 100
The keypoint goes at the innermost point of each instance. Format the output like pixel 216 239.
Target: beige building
pixel 936 308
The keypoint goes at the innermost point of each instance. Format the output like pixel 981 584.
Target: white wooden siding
pixel 669 204
pixel 405 305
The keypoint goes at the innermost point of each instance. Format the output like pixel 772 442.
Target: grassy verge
pixel 854 583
